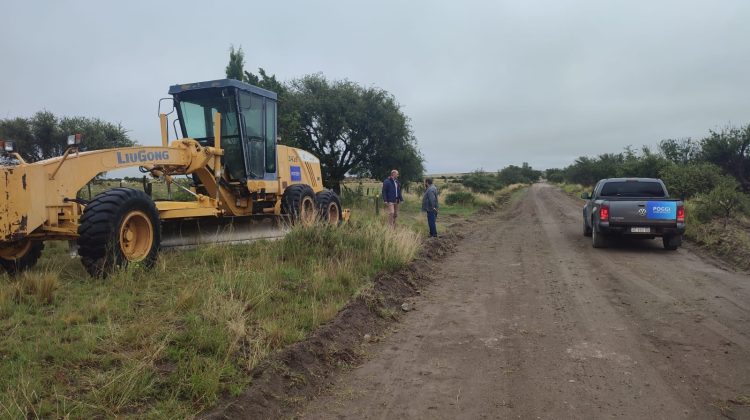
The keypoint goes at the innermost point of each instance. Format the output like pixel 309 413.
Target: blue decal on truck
pixel 296 173
pixel 663 210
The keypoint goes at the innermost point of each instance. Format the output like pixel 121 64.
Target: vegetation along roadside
pixel 710 174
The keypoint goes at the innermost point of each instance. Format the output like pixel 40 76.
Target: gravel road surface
pixel 527 320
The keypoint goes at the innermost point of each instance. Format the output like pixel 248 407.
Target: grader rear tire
pixel 20 256
pixel 329 207
pixel 298 203
pixel 119 227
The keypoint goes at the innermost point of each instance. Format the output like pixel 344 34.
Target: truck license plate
pixel 640 229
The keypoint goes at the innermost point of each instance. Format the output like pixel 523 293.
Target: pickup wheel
pixel 598 240
pixel 671 243
pixel 586 230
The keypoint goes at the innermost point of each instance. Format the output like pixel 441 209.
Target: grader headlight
pixel 8 146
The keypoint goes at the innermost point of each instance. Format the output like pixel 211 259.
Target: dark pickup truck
pixel 634 207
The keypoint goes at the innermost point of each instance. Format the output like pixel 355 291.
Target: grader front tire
pixel 119 227
pixel 20 256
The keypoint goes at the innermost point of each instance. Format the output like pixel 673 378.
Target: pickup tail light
pixel 681 214
pixel 604 213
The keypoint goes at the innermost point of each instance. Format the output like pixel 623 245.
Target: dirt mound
pixel 304 369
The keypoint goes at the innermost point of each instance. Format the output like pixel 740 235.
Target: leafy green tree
pixel 587 171
pixel 44 135
pixel 512 174
pixel 480 181
pixel 689 180
pixel 236 67
pixel 729 149
pixel 395 153
pixel 644 165
pixel 352 129
pixel 681 151
pixel 236 70
pixel 556 175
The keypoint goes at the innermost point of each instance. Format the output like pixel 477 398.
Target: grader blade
pixel 188 233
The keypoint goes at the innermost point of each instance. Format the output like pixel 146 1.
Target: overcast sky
pixel 485 83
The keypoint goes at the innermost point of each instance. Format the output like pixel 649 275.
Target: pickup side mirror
pixel 585 195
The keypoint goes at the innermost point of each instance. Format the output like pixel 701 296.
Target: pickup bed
pixel 635 207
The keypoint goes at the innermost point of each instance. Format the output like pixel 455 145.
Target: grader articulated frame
pixel 243 185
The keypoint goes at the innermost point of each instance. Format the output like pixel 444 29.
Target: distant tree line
pixel 714 170
pixel 44 135
pixel 480 181
pixel 353 129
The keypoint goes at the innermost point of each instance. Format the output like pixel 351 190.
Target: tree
pixel 44 135
pixel 480 181
pixel 730 150
pixel 236 70
pixel 395 153
pixel 587 171
pixel 352 129
pixel 236 67
pixel 645 165
pixel 554 175
pixel 682 151
pixel 687 181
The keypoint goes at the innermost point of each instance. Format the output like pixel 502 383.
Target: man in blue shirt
pixel 392 196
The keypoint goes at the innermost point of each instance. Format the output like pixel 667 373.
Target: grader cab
pixel 243 184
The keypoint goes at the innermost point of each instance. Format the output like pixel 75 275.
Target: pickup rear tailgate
pixel 643 212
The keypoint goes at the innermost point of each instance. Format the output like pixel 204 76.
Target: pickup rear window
pixel 632 189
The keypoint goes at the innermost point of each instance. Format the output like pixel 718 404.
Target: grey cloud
pixel 486 84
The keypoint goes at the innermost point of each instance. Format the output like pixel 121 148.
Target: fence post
pixel 89 185
pixel 377 204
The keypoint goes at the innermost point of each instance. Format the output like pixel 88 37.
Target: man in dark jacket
pixel 392 196
pixel 430 205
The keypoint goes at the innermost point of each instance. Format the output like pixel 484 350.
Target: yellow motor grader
pixel 243 186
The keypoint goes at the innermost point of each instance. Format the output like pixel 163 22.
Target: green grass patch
pixel 170 341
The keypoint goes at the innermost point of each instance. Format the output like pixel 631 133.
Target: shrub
pixel 353 197
pixel 689 180
pixel 480 182
pixel 724 201
pixel 464 198
pixel 555 175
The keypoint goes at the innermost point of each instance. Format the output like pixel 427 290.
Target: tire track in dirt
pixel 527 320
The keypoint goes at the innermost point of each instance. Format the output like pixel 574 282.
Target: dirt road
pixel 526 320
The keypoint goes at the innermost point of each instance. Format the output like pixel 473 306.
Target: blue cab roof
pixel 222 83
